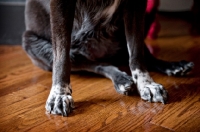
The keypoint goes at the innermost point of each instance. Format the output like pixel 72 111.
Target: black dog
pixel 65 35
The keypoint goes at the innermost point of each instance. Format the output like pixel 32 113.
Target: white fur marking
pixel 122 88
pixel 148 89
pixel 57 89
pixel 142 77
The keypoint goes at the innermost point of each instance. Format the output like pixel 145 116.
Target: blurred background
pixel 12 16
pixel 11 21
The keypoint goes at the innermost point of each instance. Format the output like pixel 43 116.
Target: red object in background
pixel 152 25
pixel 151 5
pixel 152 8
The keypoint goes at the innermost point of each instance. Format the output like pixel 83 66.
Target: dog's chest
pixel 96 11
pixel 96 28
pixel 109 11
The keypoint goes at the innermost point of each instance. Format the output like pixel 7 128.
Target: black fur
pixel 65 35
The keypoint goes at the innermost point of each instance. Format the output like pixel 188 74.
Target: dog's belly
pixel 97 29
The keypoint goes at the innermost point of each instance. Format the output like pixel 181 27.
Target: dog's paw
pixel 59 103
pixel 179 68
pixel 153 92
pixel 123 83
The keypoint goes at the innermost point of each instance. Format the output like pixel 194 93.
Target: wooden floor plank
pixel 24 89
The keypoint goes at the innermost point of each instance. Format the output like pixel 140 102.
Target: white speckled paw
pixel 60 101
pixel 179 68
pixel 60 104
pixel 153 93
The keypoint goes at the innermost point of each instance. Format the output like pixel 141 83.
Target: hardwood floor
pixel 24 89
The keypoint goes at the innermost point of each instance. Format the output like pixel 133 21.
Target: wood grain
pixel 24 89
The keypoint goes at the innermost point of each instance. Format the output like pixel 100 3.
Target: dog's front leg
pixel 134 30
pixel 61 16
